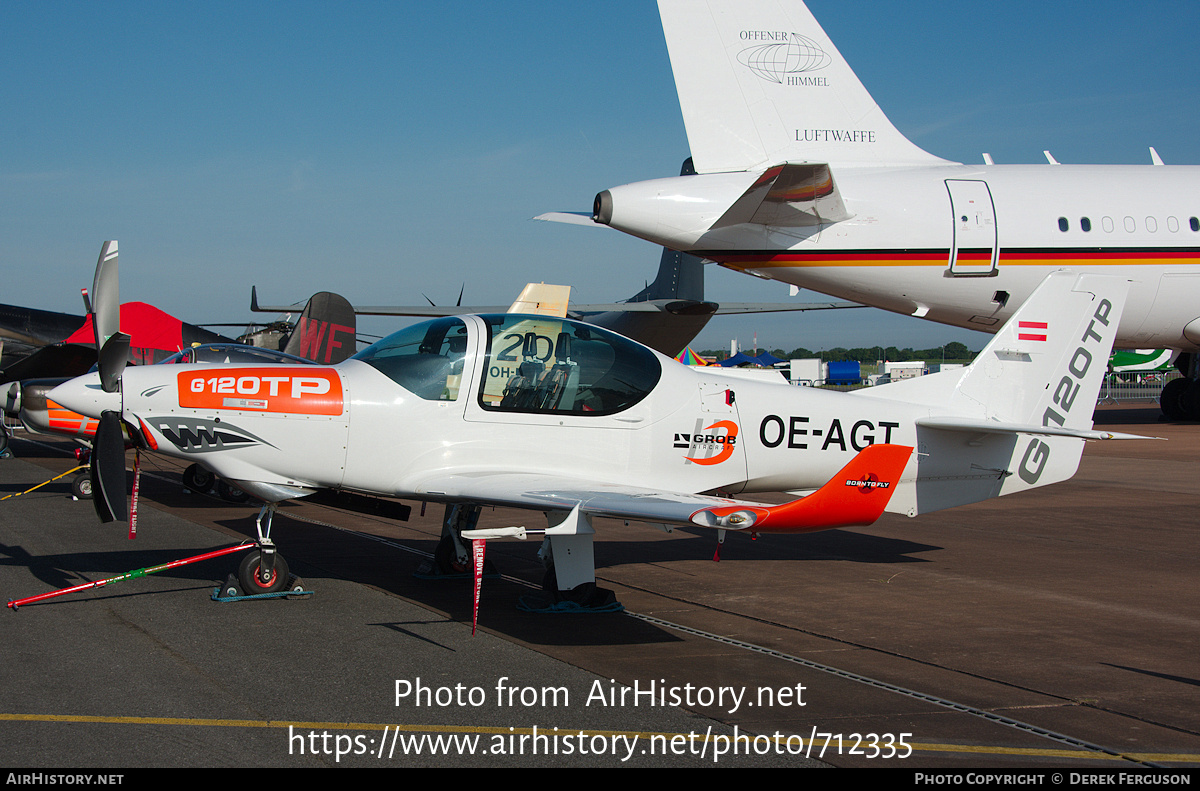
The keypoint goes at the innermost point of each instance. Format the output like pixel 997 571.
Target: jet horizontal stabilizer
pixel 789 196
pixel 569 218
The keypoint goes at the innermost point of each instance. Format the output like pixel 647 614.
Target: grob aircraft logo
pixel 785 54
pixel 706 440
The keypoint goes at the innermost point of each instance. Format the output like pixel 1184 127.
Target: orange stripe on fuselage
pixel 64 421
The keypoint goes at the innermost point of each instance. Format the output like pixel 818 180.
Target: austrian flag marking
pixel 1032 330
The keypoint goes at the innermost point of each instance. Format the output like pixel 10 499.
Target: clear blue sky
pixel 387 150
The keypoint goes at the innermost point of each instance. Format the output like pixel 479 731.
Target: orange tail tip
pixel 857 495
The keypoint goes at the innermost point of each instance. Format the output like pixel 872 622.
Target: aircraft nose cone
pixel 84 395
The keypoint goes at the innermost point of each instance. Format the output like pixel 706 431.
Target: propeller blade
pixel 108 469
pixel 112 345
pixel 113 357
pixel 12 399
pixel 106 296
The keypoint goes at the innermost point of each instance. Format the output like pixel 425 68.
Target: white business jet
pixel 801 178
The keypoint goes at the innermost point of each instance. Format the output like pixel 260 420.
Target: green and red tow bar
pixel 14 604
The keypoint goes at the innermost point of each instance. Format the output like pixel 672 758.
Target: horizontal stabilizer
pixel 996 427
pixel 788 196
pixel 569 218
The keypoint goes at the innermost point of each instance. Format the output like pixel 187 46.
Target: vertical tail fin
pixel 1043 368
pixel 325 332
pixel 1046 364
pixel 1017 417
pixel 760 83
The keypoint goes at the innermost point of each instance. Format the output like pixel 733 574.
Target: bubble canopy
pixel 530 364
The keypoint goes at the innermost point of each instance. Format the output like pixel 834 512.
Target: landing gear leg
pixel 263 570
pixel 452 556
pixel 570 562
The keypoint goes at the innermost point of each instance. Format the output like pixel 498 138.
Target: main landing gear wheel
pixel 231 494
pixel 1172 399
pixel 445 557
pixel 587 596
pixel 81 487
pixel 197 479
pixel 252 582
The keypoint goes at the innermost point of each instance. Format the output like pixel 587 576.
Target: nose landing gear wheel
pixel 81 487
pixel 251 581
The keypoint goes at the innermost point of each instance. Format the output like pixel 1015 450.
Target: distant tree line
pixel 953 352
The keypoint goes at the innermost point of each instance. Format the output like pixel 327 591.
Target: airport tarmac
pixel 1056 628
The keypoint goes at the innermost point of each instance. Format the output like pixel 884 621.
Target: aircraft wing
pixel 857 495
pixel 580 310
pixel 781 307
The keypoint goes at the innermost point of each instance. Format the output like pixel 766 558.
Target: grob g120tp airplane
pixel 559 416
pixel 800 177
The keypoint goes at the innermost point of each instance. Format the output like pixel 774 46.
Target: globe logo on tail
pixel 773 62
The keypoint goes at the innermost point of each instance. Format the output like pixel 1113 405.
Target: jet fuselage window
pixel 425 359
pixel 544 364
pixel 1194 223
pixel 1085 224
pixel 1063 225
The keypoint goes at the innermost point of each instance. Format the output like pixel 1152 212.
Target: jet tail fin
pixel 760 83
pixel 326 330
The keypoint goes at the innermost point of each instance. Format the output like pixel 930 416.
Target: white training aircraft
pixel 802 178
pixel 554 415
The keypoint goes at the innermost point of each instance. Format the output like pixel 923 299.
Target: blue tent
pixel 766 360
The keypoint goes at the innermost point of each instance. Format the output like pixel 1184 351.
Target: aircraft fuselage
pixel 958 244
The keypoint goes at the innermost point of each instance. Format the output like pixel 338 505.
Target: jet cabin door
pixel 973 249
